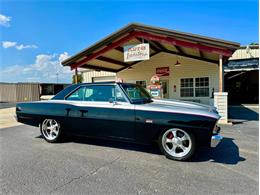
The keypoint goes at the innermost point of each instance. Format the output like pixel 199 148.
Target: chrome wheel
pixel 50 129
pixel 176 142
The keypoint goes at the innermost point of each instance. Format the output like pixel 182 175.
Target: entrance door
pixel 165 85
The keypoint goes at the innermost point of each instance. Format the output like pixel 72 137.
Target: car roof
pixel 102 83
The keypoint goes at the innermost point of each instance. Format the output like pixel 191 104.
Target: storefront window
pixel 142 83
pixel 187 87
pixel 202 87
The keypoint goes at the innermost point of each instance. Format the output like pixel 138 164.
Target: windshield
pixel 136 93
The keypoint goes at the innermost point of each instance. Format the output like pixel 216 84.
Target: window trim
pixel 98 84
pixel 201 87
pixel 187 87
pixel 194 87
pixel 77 88
pixel 141 85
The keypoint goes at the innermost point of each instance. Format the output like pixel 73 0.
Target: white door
pixel 165 86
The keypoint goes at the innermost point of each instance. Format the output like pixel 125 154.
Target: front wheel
pixel 51 130
pixel 177 144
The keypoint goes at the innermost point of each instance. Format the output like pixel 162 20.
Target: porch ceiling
pixel 108 55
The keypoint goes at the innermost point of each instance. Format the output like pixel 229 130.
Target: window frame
pixel 88 85
pixel 140 84
pixel 201 87
pixel 73 91
pixel 194 87
pixel 187 87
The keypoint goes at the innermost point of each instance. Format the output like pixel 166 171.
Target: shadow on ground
pixel 227 151
pixel 242 113
pixel 7 105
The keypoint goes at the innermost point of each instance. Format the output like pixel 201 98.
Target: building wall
pixel 89 75
pixel 243 53
pixel 189 68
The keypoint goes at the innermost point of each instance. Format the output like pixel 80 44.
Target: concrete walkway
pixel 7 118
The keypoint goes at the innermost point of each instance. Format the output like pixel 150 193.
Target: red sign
pixel 163 71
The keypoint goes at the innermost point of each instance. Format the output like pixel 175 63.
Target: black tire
pixel 57 137
pixel 187 154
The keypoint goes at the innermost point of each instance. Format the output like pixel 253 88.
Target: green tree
pixel 79 78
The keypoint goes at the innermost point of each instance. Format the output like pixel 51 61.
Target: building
pixel 190 66
pixel 242 76
pixel 22 92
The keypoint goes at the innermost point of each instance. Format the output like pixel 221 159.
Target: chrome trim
pixel 215 140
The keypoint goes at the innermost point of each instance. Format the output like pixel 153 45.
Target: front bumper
pixel 215 140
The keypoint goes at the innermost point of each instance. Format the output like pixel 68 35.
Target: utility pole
pixel 57 76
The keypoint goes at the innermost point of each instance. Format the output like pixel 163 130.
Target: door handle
pixel 68 110
pixel 83 112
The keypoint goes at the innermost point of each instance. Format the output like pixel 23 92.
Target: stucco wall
pixel 189 68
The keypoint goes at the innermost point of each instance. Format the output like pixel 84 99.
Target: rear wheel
pixel 51 130
pixel 177 144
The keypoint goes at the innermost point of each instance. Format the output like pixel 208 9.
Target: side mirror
pixel 111 100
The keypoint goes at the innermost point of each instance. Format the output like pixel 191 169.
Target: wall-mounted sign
pixel 163 71
pixel 136 52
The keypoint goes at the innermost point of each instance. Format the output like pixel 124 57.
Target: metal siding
pixel 243 53
pixel 27 92
pixel 87 76
pixel 7 92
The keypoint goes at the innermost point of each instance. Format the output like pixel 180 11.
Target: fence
pixel 19 92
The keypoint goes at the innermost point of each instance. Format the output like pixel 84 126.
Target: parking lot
pixel 30 165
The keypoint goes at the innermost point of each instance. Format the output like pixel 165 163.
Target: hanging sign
pixel 163 71
pixel 136 52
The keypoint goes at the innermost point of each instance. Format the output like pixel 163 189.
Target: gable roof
pixel 160 40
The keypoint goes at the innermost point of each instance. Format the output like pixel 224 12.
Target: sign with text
pixel 136 52
pixel 163 71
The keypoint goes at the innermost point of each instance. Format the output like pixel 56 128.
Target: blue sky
pixel 37 35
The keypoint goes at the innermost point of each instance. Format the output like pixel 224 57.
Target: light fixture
pixel 177 62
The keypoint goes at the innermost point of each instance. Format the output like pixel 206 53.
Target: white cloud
pixel 9 44
pixel 20 47
pixel 46 68
pixel 5 20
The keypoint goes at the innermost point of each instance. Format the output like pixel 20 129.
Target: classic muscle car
pixel 125 112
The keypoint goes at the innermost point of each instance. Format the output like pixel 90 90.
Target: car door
pixel 73 111
pixel 109 114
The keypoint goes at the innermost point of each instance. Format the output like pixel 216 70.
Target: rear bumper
pixel 215 140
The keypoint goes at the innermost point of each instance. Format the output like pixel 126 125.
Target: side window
pixel 119 95
pixel 77 95
pixel 99 93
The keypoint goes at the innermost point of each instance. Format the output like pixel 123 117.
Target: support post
pixel 221 98
pixel 76 75
pixel 220 74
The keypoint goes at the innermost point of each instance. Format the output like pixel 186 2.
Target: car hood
pixel 177 106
